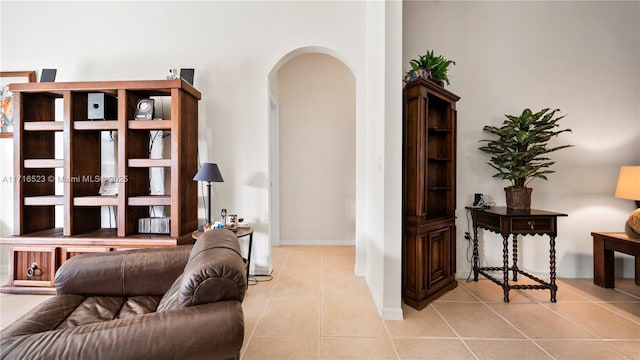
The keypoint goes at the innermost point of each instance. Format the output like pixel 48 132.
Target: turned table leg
pixel 552 267
pixel 505 267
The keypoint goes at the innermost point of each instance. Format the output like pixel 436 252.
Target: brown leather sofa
pixel 182 302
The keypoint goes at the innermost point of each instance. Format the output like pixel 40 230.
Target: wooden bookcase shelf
pixel 41 173
pixel 107 200
pixel 149 163
pixel 429 192
pixel 44 200
pixel 151 200
pixel 105 125
pixel 150 125
pixel 44 126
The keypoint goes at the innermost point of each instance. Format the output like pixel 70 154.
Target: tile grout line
pixel 626 293
pixel 393 345
pixel 624 316
pixel 464 343
pixel 597 338
pixel 535 302
pixel 579 326
pixel 262 312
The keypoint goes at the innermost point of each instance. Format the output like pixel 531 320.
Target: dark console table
pixel 511 223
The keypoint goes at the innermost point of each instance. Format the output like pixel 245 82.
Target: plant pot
pixel 518 198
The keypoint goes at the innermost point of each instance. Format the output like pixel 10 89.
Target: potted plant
pixel 519 152
pixel 430 66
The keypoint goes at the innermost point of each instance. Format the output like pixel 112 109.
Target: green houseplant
pixel 430 66
pixel 519 152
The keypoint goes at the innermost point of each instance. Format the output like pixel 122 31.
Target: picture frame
pixel 6 99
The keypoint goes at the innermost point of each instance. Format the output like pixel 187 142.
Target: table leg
pixel 475 253
pixel 552 267
pixel 603 264
pixel 505 267
pixel 515 258
pixel 638 270
pixel 249 256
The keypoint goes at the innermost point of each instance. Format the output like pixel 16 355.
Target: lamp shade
pixel 629 183
pixel 209 173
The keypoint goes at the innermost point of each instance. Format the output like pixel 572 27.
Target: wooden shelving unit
pixel 429 192
pixel 37 240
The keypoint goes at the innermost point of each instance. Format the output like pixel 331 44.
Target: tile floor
pixel 315 308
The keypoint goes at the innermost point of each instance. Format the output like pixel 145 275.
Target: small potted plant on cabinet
pixel 430 66
pixel 519 152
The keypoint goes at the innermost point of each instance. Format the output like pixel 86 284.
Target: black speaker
pixel 101 106
pixel 144 109
pixel 48 75
pixel 187 75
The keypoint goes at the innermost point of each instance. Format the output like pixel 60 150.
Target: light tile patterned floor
pixel 315 308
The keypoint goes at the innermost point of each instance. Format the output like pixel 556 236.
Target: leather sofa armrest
pixel 208 331
pixel 122 273
pixel 215 271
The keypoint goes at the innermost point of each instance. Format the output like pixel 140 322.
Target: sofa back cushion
pixel 214 272
pixel 140 272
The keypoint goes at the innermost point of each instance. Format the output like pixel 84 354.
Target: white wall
pixel 317 151
pixel 581 57
pixel 233 46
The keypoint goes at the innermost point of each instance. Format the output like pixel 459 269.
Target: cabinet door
pixel 438 262
pixel 32 265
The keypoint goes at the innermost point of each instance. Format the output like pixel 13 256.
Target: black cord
pixel 469 258
pixel 255 279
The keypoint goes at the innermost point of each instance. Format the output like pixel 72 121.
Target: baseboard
pixel 392 314
pixel 317 242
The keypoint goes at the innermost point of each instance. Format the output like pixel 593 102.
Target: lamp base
pixel 632 226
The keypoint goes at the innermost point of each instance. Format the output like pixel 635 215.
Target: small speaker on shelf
pixel 48 75
pixel 187 75
pixel 101 106
pixel 144 109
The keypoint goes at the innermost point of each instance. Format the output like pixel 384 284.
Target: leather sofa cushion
pixel 105 308
pixel 209 331
pixel 68 311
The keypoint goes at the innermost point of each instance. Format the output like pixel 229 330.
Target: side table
pixel 240 232
pixel 511 223
pixel 604 244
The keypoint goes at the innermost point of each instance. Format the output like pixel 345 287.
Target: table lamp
pixel 209 173
pixel 629 188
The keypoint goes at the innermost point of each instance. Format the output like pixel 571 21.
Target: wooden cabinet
pixel 429 192
pixel 59 166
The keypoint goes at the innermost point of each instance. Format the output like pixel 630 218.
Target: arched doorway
pixel 312 149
